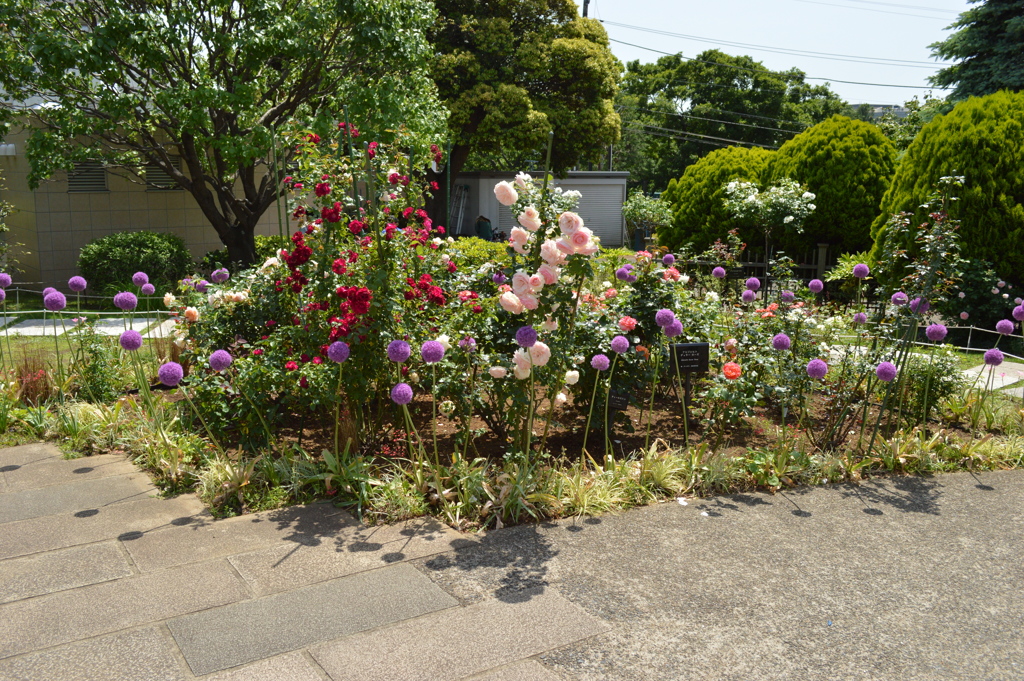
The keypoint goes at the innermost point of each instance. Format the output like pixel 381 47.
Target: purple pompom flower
pixel 622 274
pixel 3 295
pixel 753 284
pixel 140 278
pixel 77 284
pixel 664 317
pixel 781 342
pixel 170 374
pixel 1018 313
pixel 148 289
pixel 899 298
pixel 498 278
pixel 220 360
pixel 861 270
pixel 936 332
pixel 816 285
pixel 468 344
pixel 620 344
pixel 718 273
pixel 994 357
pixel 600 362
pixel 202 285
pixel 788 296
pixel 919 305
pixel 674 329
pixel 126 300
pixel 668 260
pixel 399 351
pixel 526 336
pixel 131 340
pixel 860 318
pixel 432 352
pixel 5 280
pixel 748 296
pixel 338 351
pixel 817 369
pixel 48 290
pixel 55 301
pixel 886 371
pixel 1004 326
pixel 220 276
pixel 401 394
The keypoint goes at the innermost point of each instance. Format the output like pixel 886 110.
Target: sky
pixel 867 41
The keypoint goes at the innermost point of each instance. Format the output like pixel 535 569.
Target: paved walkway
pixel 907 578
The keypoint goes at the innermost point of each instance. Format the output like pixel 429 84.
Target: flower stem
pixel 586 430
pixel 607 404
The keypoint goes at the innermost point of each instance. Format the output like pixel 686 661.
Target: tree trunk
pixel 241 242
pixel 437 205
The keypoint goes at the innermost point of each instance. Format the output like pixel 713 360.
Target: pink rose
pixel 529 301
pixel 521 249
pixel 580 238
pixel 565 246
pixel 610 293
pixel 530 219
pixel 510 302
pixel 590 249
pixel 627 324
pixel 519 236
pixel 540 353
pixel 550 254
pixel 536 281
pixel 570 223
pixel 497 372
pixel 671 274
pixel 504 288
pixel 505 193
pixel 522 179
pixel 550 324
pixel 549 273
pixel 521 283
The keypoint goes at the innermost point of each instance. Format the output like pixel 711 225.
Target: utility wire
pixel 710 137
pixel 702 118
pixel 870 9
pixel 893 4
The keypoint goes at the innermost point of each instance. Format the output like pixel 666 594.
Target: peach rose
pixel 504 288
pixel 550 254
pixel 505 193
pixel 529 301
pixel 498 372
pixel 549 272
pixel 191 314
pixel 570 223
pixel 530 219
pixel 540 353
pixel 537 281
pixel 521 283
pixel 510 302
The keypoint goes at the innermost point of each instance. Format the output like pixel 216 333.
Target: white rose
pixel 788 219
pixel 169 299
pixel 560 399
pixel 445 341
pixel 414 377
pixel 497 372
pixel 572 377
pixel 711 296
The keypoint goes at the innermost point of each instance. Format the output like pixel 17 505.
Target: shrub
pixel 266 247
pixel 109 262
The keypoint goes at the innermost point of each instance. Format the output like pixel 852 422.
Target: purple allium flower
pixel 600 362
pixel 526 336
pixel 919 305
pixel 994 357
pixel 401 394
pixel 860 318
pixel 55 301
pixel 148 289
pixel 886 371
pixel 788 296
pixel 620 344
pixel 399 351
pixel 628 267
pixel 817 369
pixel 140 278
pixel 1018 313
pixel 338 351
pixel 220 276
pixel 861 270
pixel 815 285
pixel 899 298
pixel 77 284
pixel 202 285
pixel 468 344
pixel 48 290
pixel 5 280
pixel 170 374
pixel 781 342
pixel 718 273
pixel 125 300
pixel 498 278
pixel 674 329
pixel 622 274
pixel 936 332
pixel 432 352
pixel 1004 326
pixel 668 260
pixel 220 360
pixel 748 296
pixel 631 278
pixel 753 284
pixel 3 295
pixel 131 340
pixel 664 317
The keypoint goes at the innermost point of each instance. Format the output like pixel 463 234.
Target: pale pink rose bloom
pixel 191 314
pixel 537 281
pixel 522 364
pixel 522 373
pixel 505 193
pixel 580 238
pixel 590 249
pixel 521 249
pixel 519 235
pixel 565 246
pixel 550 324
pixel 530 219
pixel 510 302
pixel 504 288
pixel 964 315
pixel 570 223
pixel 611 293
pixel 540 353
pixel 521 283
pixel 549 272
pixel 497 372
pixel 529 301
pixel 522 179
pixel 550 254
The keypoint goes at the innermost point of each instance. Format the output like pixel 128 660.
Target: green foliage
pixel 645 213
pixel 981 139
pixel 984 308
pixel 267 246
pixel 474 253
pixel 987 49
pixel 697 199
pixel 109 262
pixel 847 164
pixel 902 131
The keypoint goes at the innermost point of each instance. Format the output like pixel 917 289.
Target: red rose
pixel 356 226
pixel 303 382
pixel 313 137
pixel 291 366
pixel 451 266
pixel 257 351
pixel 371 149
pixel 322 189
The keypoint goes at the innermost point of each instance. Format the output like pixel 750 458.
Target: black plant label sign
pixel 618 401
pixel 692 357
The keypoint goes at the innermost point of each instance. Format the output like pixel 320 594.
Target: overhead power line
pixel 702 118
pixel 893 4
pixel 871 9
pixel 708 137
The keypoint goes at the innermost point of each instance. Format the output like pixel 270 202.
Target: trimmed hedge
pixel 109 262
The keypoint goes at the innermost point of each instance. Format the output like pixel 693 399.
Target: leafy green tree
pixel 847 164
pixel 645 213
pixel 209 81
pixel 988 47
pixel 512 71
pixel 902 131
pixel 981 139
pixel 685 108
pixel 697 199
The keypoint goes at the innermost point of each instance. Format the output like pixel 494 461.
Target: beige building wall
pixel 55 224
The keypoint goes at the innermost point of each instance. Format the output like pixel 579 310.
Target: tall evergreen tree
pixel 988 47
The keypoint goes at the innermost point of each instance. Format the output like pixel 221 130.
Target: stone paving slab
pixel 127 520
pixel 268 626
pixel 1005 374
pixel 115 326
pixel 162 330
pixel 58 471
pixel 26 454
pixel 353 549
pixel 209 539
pixel 59 570
pixel 527 670
pixel 140 655
pixel 38 327
pixel 460 642
pixel 104 608
pixel 74 496
pixel 289 667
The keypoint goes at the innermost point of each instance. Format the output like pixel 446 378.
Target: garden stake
pixel 586 431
